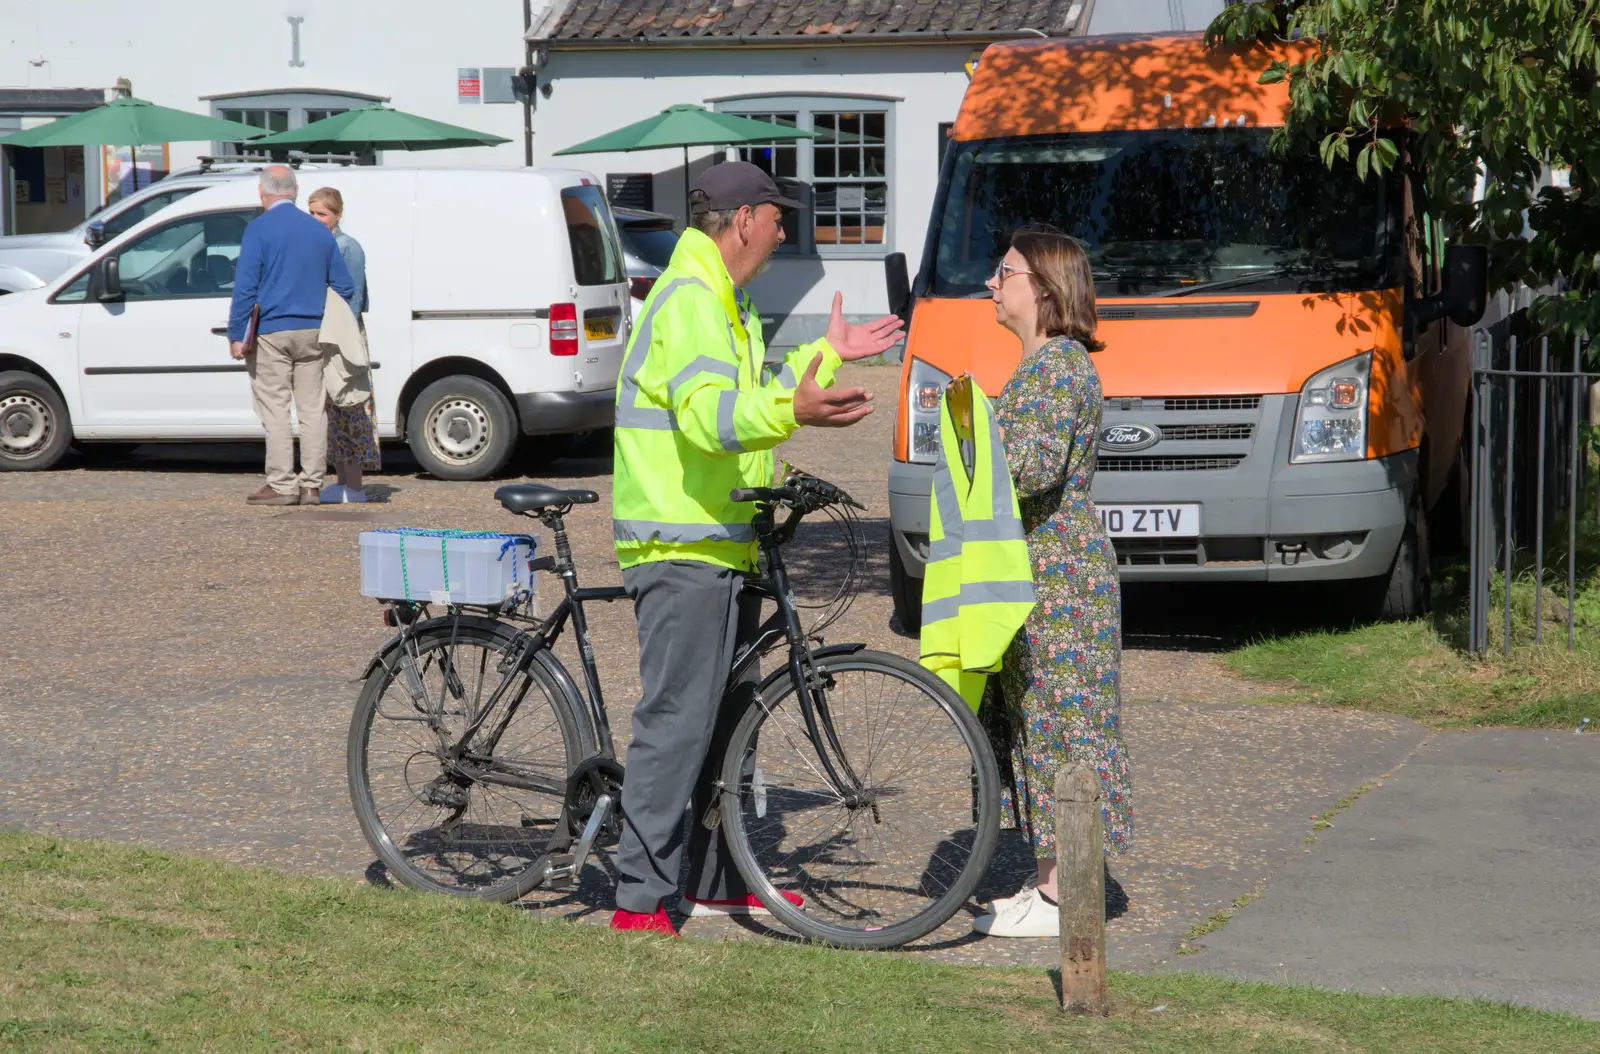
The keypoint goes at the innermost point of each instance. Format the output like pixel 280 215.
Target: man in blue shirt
pixel 286 264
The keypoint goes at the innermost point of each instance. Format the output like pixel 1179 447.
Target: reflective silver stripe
pixel 997 593
pixel 630 415
pixel 702 364
pixel 785 377
pixel 977 593
pixel 1001 471
pixel 725 431
pixel 680 533
pixel 648 417
pixel 939 610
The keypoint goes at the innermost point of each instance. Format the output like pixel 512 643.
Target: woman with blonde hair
pixel 1058 696
pixel 352 430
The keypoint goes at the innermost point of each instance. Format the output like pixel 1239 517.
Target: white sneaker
pixel 357 497
pixel 1029 915
pixel 333 494
pixel 998 903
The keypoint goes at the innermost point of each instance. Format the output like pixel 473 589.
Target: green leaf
pixel 1363 160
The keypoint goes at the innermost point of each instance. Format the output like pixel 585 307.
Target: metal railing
pixel 1528 453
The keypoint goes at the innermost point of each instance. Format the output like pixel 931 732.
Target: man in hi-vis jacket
pixel 700 405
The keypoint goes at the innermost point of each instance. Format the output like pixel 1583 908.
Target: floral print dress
pixel 1059 693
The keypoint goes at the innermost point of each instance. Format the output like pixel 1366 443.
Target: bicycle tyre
pixel 572 742
pixel 828 903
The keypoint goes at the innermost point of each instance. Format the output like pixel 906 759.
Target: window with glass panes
pixel 846 166
pixel 270 120
pixel 850 181
pixel 322 115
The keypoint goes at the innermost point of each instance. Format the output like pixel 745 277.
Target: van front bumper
pixel 560 413
pixel 1261 520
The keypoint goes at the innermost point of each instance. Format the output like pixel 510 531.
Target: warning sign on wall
pixel 469 86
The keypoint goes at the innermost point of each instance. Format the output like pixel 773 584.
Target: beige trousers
pixel 286 366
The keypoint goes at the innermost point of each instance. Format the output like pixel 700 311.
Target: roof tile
pixel 622 20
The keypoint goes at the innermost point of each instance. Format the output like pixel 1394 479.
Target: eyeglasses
pixel 1004 270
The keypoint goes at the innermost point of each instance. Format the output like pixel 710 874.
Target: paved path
pixel 1474 870
pixel 180 671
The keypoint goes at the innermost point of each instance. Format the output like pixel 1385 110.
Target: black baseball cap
pixel 733 185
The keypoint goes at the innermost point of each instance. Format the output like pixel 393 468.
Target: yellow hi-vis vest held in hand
pixel 700 405
pixel 978 587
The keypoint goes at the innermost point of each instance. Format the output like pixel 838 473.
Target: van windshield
pixel 1161 210
pixel 596 259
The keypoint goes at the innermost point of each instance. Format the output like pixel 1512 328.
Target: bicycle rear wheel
pixel 894 866
pixel 482 823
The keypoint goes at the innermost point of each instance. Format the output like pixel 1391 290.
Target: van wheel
pixel 1406 591
pixel 462 428
pixel 906 591
pixel 34 427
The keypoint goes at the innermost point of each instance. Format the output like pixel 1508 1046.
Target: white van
pixel 499 308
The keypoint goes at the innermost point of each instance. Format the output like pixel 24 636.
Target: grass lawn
pixel 1420 669
pixel 105 947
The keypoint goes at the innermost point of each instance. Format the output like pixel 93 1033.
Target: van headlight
pixel 925 391
pixel 1332 423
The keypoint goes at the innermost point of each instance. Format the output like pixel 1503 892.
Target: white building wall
pixel 592 92
pixel 176 51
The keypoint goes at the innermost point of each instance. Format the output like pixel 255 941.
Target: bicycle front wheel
pixel 887 865
pixel 477 821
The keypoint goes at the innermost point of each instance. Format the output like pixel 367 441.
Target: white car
pixel 499 308
pixel 28 261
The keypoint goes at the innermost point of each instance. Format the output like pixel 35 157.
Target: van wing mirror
pixel 898 280
pixel 1465 291
pixel 110 280
pixel 1466 283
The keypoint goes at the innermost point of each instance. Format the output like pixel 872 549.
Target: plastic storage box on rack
pixel 419 565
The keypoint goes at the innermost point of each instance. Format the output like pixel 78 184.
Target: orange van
pixel 1284 392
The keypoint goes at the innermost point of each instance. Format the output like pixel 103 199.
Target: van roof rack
pixel 211 161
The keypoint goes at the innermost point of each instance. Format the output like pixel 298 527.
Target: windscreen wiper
pixel 1225 283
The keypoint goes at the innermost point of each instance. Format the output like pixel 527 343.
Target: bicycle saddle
pixel 523 498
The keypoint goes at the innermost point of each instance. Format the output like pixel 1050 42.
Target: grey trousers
pixel 691 620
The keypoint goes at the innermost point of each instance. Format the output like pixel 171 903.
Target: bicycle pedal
pixel 559 872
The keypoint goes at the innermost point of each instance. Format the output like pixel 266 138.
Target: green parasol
pixel 685 126
pixel 376 128
pixel 130 122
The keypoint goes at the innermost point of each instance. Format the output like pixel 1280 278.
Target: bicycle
pixel 881 809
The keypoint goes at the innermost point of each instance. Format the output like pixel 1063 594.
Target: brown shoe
pixel 310 496
pixel 268 496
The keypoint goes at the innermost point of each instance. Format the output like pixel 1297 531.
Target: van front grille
pixel 1200 433
pixel 1213 402
pixel 1157 552
pixel 1166 464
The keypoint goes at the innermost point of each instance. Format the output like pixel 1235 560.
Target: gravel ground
pixel 180 669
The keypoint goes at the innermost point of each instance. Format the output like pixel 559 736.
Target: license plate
pixel 1151 521
pixel 599 328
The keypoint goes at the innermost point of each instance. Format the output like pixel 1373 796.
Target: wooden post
pixel 1080 887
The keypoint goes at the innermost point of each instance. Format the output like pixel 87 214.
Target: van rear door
pixel 600 322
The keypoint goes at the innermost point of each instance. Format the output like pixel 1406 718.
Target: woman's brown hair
pixel 330 197
pixel 1061 275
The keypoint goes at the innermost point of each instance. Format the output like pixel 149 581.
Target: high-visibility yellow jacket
pixel 978 587
pixel 700 405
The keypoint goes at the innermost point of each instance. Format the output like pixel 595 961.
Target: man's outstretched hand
pixel 859 342
pixel 829 407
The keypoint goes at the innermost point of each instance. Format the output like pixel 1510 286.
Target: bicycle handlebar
pixel 801 492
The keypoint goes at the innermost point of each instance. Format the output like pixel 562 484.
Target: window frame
pixel 805 106
pixel 297 102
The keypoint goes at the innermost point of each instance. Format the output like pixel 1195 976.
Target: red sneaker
pixel 639 922
pixel 750 904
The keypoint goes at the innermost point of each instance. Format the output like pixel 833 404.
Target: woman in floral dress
pixel 1059 695
pixel 352 430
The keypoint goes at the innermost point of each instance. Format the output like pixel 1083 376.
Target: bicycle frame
pixel 783 625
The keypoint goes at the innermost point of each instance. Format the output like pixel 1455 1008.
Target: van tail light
pixel 639 288
pixel 563 329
